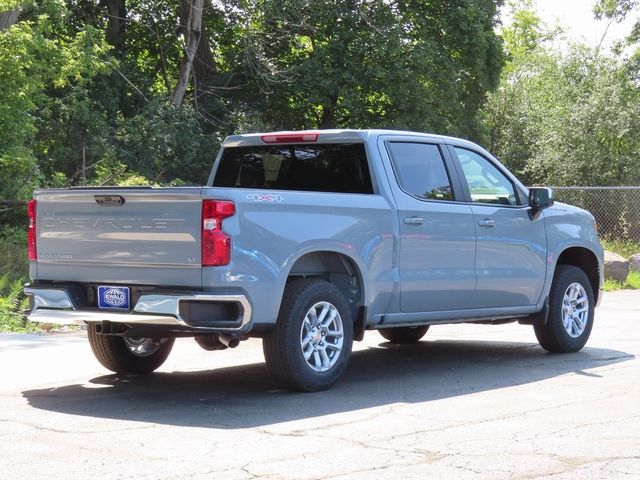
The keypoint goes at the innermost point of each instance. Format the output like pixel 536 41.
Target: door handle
pixel 487 223
pixel 414 220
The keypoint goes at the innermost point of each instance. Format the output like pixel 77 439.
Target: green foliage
pixel 359 64
pixel 626 248
pixel 617 11
pixel 13 252
pixel 569 118
pixel 36 56
pixel 85 95
pixel 631 283
pixel 164 144
pixel 6 5
pixel 39 62
pixel 526 32
pixel 14 270
pixel 12 305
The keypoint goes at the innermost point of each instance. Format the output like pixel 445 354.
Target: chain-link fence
pixel 617 209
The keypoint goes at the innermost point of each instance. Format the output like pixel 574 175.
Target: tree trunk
pixel 9 18
pixel 328 119
pixel 203 66
pixel 190 15
pixel 117 13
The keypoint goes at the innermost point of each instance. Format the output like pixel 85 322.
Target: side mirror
pixel 539 199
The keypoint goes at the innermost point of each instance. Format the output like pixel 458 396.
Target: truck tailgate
pixel 119 235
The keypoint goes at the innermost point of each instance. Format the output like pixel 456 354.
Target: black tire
pixel 553 336
pixel 404 335
pixel 114 354
pixel 283 347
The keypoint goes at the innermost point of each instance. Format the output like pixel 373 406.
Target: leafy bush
pixel 12 305
pixel 163 143
pixel 564 117
pixel 14 269
pixel 13 252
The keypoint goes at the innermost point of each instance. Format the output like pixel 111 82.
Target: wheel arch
pixel 586 260
pixel 343 271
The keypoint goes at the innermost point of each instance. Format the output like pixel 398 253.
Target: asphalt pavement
pixel 469 401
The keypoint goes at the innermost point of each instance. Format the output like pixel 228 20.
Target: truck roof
pixel 328 136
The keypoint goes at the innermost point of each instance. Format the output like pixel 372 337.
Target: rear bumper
pixel 194 311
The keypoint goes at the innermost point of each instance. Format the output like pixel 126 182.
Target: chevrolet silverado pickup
pixel 307 240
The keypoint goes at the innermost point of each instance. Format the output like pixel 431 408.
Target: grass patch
pixel 626 248
pixel 631 283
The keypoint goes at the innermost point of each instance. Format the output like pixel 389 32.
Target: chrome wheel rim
pixel 143 346
pixel 575 310
pixel 321 336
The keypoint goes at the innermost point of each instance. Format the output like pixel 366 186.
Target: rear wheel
pixel 311 343
pixel 571 307
pixel 129 354
pixel 404 334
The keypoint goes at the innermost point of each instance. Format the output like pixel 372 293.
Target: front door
pixel 511 248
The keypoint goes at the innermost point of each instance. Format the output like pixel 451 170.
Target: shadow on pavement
pixel 246 396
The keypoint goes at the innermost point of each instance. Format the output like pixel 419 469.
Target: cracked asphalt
pixel 468 402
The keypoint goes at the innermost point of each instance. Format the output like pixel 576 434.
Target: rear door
pixel 437 234
pixel 511 248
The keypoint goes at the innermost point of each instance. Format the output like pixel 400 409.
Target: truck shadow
pixel 246 396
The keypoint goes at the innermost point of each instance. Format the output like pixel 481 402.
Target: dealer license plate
pixel 114 297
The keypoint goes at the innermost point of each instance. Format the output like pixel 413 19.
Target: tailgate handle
pixel 109 200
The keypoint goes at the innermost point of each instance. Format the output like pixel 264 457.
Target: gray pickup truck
pixel 307 240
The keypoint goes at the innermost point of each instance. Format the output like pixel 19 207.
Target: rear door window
pixel 420 170
pixel 339 168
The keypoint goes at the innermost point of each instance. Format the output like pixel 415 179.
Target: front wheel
pixel 571 307
pixel 129 354
pixel 311 344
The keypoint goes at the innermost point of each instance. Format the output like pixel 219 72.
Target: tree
pixel 564 118
pixel 35 60
pixel 617 11
pixel 191 29
pixel 89 88
pixel 355 63
pixel 9 13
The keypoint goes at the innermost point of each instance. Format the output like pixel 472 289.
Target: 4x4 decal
pixel 265 197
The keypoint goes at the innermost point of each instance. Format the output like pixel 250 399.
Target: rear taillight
pixel 216 245
pixel 31 233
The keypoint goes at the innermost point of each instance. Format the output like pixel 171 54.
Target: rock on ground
pixel 634 262
pixel 615 267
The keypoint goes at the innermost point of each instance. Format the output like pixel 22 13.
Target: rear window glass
pixel 316 168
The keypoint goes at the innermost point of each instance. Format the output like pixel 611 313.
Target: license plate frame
pixel 111 297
